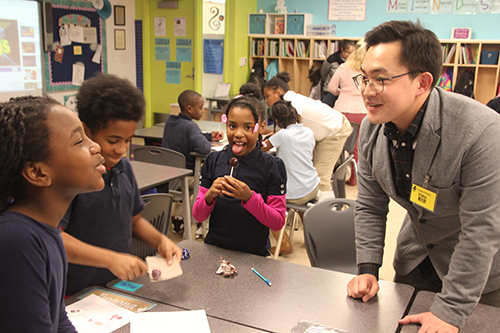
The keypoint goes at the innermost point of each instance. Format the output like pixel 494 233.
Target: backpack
pixel 445 81
pixel 465 84
pixel 257 73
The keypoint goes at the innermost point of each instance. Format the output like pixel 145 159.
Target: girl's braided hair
pixel 284 113
pixel 250 102
pixel 25 137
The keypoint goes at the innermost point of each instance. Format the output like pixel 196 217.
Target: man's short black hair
pixel 420 48
pixel 106 98
pixel 187 97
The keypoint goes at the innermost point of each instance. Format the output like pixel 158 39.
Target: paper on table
pixel 175 321
pixel 167 272
pixel 93 314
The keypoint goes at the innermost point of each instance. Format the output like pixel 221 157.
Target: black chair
pixel 163 156
pixel 329 235
pixel 157 212
pixel 338 177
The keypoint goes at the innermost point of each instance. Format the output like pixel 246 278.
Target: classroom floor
pixel 299 255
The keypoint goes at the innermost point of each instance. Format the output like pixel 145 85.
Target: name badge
pixel 423 197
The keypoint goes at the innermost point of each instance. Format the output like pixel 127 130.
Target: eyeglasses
pixel 376 83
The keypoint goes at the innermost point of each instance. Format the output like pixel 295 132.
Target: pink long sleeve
pixel 270 214
pixel 201 211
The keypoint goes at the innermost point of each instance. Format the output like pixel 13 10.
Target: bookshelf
pixel 464 54
pixel 296 54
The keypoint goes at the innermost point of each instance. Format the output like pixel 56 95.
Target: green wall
pixel 160 95
pixel 237 45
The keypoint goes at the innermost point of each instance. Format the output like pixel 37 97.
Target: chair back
pixel 163 156
pixel 350 143
pixel 160 155
pixel 157 212
pixel 338 177
pixel 329 235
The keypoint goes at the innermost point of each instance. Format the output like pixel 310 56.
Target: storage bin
pixel 295 24
pixel 321 30
pixel 257 24
pixel 489 57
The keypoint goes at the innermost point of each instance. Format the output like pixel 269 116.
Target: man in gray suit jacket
pixel 438 155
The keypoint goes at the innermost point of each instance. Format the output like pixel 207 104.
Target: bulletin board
pixel 60 71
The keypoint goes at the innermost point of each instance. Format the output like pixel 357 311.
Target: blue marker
pixel 263 278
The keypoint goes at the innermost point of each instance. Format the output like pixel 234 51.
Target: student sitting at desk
pixel 183 135
pixel 246 198
pixel 98 227
pixel 46 159
pixel 295 145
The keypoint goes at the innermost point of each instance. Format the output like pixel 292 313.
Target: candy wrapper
pixel 185 254
pixel 225 268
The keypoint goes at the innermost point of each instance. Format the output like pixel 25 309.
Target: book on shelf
pixel 279 26
pixel 450 53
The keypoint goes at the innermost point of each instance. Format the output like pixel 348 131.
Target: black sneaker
pixel 199 231
pixel 177 224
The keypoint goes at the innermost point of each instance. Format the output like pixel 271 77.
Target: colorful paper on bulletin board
pixel 59 75
pixel 173 72
pixel 442 7
pixel 396 6
pixel 213 56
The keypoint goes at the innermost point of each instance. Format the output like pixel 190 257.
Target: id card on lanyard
pixel 424 196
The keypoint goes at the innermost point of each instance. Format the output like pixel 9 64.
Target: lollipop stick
pixel 232 168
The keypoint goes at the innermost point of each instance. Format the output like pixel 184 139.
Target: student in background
pixel 98 227
pixel 330 65
pixel 183 135
pixel 46 159
pixel 436 154
pixel 295 146
pixel 243 201
pixel 331 129
pixel 349 101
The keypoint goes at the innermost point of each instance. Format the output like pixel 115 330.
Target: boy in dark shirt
pixel 184 136
pixel 98 227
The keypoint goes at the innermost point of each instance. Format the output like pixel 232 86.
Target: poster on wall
pixel 489 7
pixel 162 49
pixel 213 56
pixel 396 6
pixel 213 18
pixel 441 6
pixel 419 6
pixel 183 49
pixel 465 7
pixel 173 72
pixel 179 26
pixel 346 10
pixel 160 27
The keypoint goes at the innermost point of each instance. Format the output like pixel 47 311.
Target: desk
pixel 484 318
pixel 149 175
pixel 216 324
pixel 214 108
pixel 297 292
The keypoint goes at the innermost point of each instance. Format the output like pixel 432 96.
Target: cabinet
pixel 278 24
pixel 460 55
pixel 297 54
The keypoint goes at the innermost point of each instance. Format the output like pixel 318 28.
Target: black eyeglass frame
pixel 381 79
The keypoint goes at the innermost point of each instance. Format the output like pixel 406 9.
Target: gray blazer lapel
pixel 428 140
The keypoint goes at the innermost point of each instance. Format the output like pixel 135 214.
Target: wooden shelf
pixel 316 49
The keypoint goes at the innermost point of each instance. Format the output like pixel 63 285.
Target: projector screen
pixel 20 49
